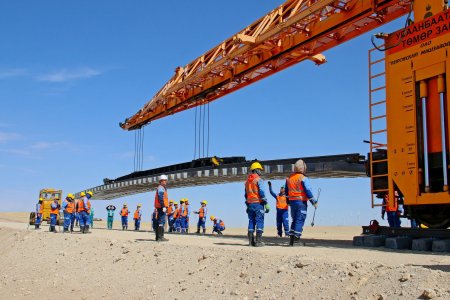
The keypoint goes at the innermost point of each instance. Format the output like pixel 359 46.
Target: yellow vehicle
pixel 49 195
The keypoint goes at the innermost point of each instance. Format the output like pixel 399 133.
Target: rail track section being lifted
pixel 214 170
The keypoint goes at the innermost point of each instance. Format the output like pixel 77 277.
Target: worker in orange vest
pixel 282 211
pixel 176 218
pixel 299 192
pixel 137 217
pixel 170 212
pixel 68 207
pixel 202 212
pixel 161 205
pixel 84 210
pixel 39 210
pixel 255 200
pixel 124 213
pixel 184 214
pixel 218 225
pixel 393 211
pixel 54 212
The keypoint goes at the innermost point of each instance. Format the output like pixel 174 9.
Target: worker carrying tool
pixel 161 204
pixel 255 200
pixel 170 212
pixel 68 207
pixel 184 213
pixel 202 212
pixel 137 217
pixel 110 209
pixel 84 211
pixel 176 218
pixel 54 212
pixel 218 225
pixel 282 211
pixel 124 214
pixel 298 190
pixel 39 211
pixel 393 211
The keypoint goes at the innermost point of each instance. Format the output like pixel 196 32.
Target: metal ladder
pixel 377 114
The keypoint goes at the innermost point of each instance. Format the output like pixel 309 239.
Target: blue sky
pixel 70 71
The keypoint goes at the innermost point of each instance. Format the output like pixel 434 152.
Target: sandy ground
pixel 115 264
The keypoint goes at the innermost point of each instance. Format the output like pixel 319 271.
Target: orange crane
pixel 408 102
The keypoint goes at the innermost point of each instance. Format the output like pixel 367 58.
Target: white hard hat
pixel 163 177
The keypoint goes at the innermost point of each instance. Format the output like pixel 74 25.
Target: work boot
pixel 36 226
pixel 204 230
pixel 54 230
pixel 65 230
pixel 50 228
pixel 157 234
pixel 251 239
pixel 198 230
pixel 258 242
pixel 86 229
pixel 161 234
pixel 293 240
pixel 81 229
pixel 126 227
pixel 71 228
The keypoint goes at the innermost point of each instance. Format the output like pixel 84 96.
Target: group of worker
pixel 74 210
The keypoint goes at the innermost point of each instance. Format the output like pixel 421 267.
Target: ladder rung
pixel 378 89
pixel 379 146
pixel 379 131
pixel 382 190
pixel 378 103
pixel 377 61
pixel 379 161
pixel 378 117
pixel 378 75
pixel 377 176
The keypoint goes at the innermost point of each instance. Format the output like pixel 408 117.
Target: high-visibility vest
pixel 295 187
pixel 70 207
pixel 124 212
pixel 136 214
pixel 54 211
pixel 82 208
pixel 221 223
pixel 170 210
pixel 202 212
pixel 183 211
pixel 281 202
pixel 176 213
pixel 252 189
pixel 39 208
pixel 391 208
pixel 165 198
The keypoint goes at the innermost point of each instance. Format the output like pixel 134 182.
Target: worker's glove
pixel 203 219
pixel 314 202
pixel 196 212
pixel 164 209
pixel 266 208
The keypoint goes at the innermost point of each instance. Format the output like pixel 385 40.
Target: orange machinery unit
pixel 417 110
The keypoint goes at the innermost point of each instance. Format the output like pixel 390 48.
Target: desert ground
pixel 114 264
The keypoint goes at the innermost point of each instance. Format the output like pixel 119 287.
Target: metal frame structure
pixel 335 166
pixel 297 30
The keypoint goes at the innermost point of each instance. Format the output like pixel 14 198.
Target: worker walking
pixel 137 217
pixel 298 191
pixel 110 209
pixel 183 216
pixel 68 207
pixel 177 218
pixel 39 210
pixel 218 225
pixel 161 204
pixel 124 213
pixel 393 211
pixel 255 200
pixel 84 210
pixel 282 211
pixel 170 212
pixel 202 212
pixel 54 212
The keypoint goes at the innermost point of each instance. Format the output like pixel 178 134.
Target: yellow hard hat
pixel 204 202
pixel 139 205
pixel 124 204
pixel 70 196
pixel 256 165
pixel 90 193
pixel 182 200
pixel 175 203
pixel 212 218
pixel 41 199
pixel 171 201
pixel 82 194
